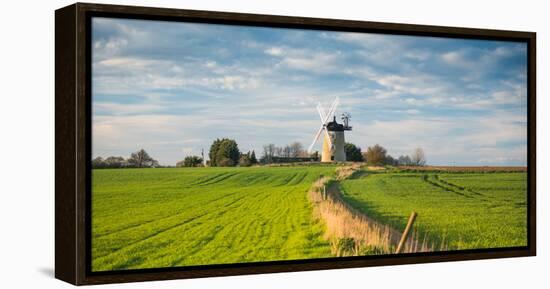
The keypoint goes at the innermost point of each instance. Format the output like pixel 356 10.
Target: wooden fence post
pixel 406 233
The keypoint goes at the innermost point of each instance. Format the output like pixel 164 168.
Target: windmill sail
pixel 324 119
pixel 316 138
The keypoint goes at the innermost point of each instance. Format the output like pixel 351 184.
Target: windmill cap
pixel 334 126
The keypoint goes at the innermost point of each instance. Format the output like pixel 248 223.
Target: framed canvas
pixel 197 143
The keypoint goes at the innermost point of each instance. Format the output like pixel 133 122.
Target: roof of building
pixel 334 126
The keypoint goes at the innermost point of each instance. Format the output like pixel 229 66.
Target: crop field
pixel 154 218
pixel 455 210
pixel 151 218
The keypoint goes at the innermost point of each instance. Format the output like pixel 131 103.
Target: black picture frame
pixel 73 146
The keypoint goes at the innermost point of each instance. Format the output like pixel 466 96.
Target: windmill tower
pixel 333 137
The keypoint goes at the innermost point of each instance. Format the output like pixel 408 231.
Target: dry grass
pixel 347 171
pixel 350 232
pixel 376 168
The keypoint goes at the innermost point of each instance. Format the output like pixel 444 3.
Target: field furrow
pixel 203 216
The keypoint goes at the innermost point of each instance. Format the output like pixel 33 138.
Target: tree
pixel 286 151
pixel 213 152
pixel 115 162
pixel 98 163
pixel 268 153
pixel 253 159
pixel 190 161
pixel 418 157
pixel 224 153
pixel 141 159
pixel 278 151
pixel 375 155
pixel 296 149
pixel 404 161
pixel 353 153
pixel 315 155
pixel 244 160
pixel 389 160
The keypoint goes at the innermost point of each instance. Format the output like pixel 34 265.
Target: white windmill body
pixel 333 135
pixel 333 149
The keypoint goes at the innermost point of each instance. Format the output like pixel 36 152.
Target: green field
pixel 459 210
pixel 150 218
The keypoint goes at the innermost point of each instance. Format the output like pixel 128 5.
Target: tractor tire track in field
pixel 212 179
pixel 172 227
pixel 469 193
pixel 202 242
pixel 97 235
pixel 206 178
pixel 165 229
pixel 211 216
pixel 457 187
pixel 430 179
pixel 257 229
pixel 255 179
pixel 285 181
pixel 299 179
pixel 218 180
pixel 152 235
pixel 495 203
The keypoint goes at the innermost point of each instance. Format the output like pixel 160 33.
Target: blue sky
pixel 172 88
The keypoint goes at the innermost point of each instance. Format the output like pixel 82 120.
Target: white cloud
pixel 173 97
pixel 413 84
pixel 474 139
pixel 274 51
pixel 113 108
pixel 315 62
pixel 364 40
pixel 453 57
pixel 109 47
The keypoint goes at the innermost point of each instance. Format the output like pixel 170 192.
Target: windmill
pixel 333 134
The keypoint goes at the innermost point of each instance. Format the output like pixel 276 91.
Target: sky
pixel 172 88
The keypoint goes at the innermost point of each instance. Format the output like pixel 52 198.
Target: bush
pixel 353 153
pixel 190 161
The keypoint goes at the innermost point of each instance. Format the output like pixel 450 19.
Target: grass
pixel 455 210
pixel 153 218
pixel 156 218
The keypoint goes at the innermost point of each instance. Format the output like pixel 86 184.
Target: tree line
pixel 378 155
pixel 294 150
pixel 139 159
pixel 225 153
